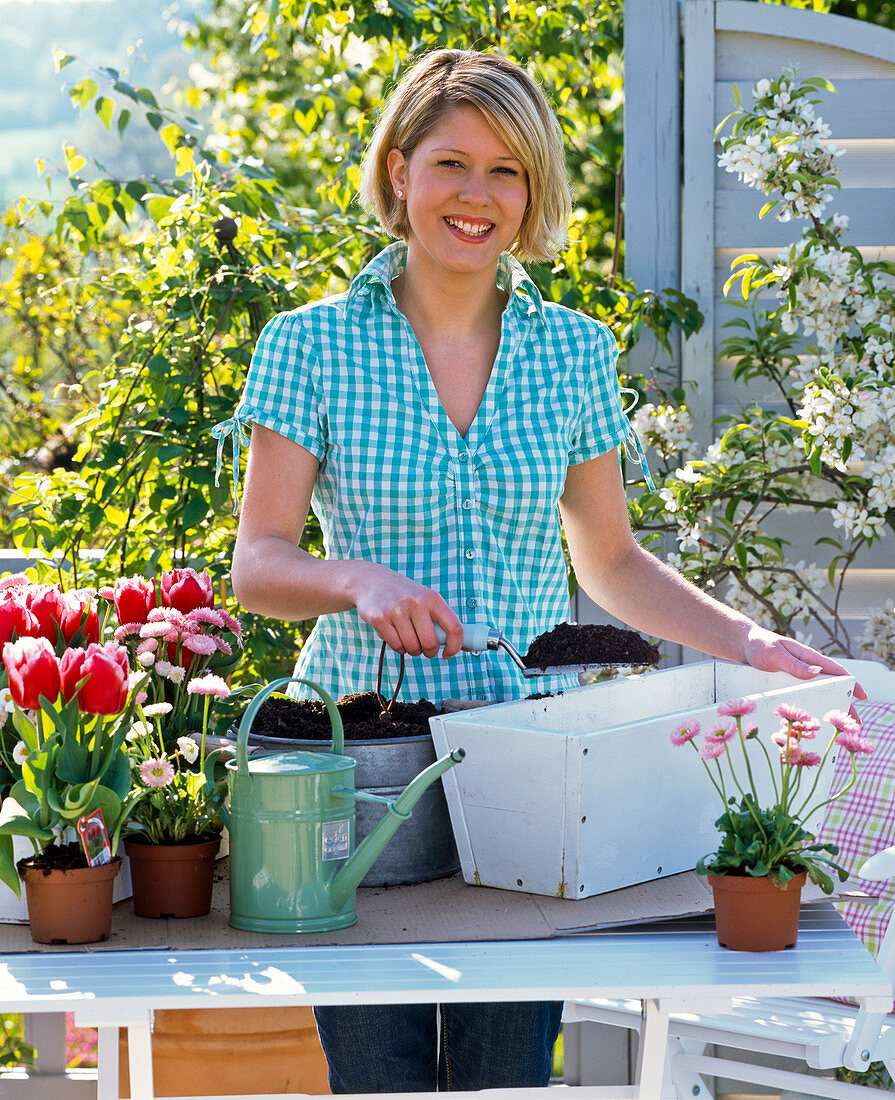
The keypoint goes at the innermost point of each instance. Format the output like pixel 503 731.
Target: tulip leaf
pixel 8 873
pixel 79 800
pixel 117 777
pixel 25 728
pixel 16 821
pixel 71 766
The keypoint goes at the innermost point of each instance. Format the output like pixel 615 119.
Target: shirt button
pixel 463 456
pixel 470 553
pixel 467 504
pixel 482 697
pixel 471 602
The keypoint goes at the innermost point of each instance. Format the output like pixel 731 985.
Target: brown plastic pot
pixel 172 880
pixel 72 905
pixel 752 914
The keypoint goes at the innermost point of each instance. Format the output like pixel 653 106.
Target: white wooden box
pixel 582 792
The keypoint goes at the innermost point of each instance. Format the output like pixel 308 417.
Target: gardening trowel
pixel 478 637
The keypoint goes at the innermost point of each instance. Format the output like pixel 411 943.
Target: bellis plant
pixel 172 629
pixel 771 842
pixel 177 798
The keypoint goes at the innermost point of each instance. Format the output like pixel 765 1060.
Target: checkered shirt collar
pixel 512 278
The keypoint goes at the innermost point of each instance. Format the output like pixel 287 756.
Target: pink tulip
pixel 186 589
pixel 15 617
pixel 134 598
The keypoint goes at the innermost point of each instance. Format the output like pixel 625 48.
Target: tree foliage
pixel 136 311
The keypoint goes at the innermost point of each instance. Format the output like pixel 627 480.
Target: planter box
pixel 583 792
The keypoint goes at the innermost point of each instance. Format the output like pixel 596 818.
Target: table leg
pixel 652 1052
pixel 107 1064
pixel 139 1054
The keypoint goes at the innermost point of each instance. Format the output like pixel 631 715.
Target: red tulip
pixel 15 617
pixel 33 671
pixel 73 606
pixel 43 601
pixel 134 598
pixel 186 589
pixel 106 666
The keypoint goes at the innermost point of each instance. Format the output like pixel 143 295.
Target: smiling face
pixel 466 194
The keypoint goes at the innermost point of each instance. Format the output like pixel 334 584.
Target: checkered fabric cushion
pixel 862 822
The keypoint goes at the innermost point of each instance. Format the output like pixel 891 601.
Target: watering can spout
pixel 350 874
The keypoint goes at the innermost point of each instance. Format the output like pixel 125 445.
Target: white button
pixel 464 457
pixel 470 553
pixel 467 504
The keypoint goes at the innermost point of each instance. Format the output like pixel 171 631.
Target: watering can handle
pixel 245 726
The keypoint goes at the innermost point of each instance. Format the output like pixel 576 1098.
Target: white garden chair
pixel 822 1034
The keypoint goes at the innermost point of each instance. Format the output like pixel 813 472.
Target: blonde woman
pixel 441 419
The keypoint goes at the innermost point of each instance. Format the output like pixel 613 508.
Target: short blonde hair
pixel 518 112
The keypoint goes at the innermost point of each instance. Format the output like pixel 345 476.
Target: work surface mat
pixel 431 912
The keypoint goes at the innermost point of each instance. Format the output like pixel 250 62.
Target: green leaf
pixel 8 873
pixel 61 59
pixel 83 92
pixel 124 118
pixel 105 108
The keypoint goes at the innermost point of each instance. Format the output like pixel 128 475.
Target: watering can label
pixel 336 839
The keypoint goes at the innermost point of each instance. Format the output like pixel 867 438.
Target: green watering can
pixel 293 867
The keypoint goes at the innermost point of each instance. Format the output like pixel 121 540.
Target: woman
pixel 437 415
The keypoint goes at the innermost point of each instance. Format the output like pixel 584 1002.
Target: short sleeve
pixel 283 386
pixel 602 424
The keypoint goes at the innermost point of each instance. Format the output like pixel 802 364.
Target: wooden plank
pixel 652 158
pixel 698 219
pixel 740 56
pixel 861 108
pixel 870 210
pixel 816 28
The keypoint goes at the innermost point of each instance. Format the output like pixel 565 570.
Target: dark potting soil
pixel 307 720
pixel 65 857
pixel 589 644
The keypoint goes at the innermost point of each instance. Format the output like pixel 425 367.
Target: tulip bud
pixel 43 602
pixel 77 609
pixel 33 671
pixel 107 686
pixel 186 589
pixel 15 618
pixel 134 598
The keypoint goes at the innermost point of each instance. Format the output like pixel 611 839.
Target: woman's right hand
pixel 401 611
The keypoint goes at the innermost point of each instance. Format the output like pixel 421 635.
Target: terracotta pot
pixel 232 1051
pixel 752 914
pixel 172 880
pixel 69 906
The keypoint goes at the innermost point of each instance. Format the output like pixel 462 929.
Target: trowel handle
pixel 477 637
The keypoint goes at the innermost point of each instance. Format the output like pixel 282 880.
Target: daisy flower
pixel 156 773
pixel 736 708
pixel 711 750
pixel 208 685
pixel 685 732
pixel 188 748
pixel 20 753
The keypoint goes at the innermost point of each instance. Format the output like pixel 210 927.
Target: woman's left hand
pixel 772 652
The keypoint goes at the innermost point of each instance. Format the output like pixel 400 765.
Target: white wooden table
pixel 672 967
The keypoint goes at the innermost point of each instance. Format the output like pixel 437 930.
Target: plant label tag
pixel 336 839
pixel 95 838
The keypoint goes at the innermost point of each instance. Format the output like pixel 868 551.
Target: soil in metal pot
pixel 589 644
pixel 307 720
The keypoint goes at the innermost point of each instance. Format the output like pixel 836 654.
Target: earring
pixel 400 194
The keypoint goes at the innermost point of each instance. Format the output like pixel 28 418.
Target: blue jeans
pixel 397 1048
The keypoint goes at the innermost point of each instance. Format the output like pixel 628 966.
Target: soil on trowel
pixel 589 644
pixel 362 718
